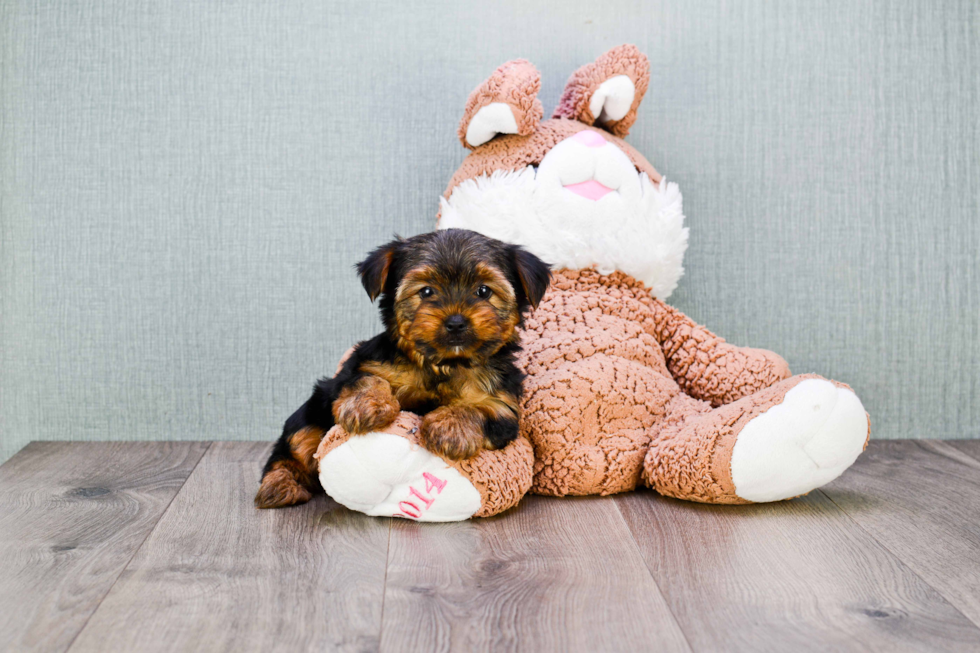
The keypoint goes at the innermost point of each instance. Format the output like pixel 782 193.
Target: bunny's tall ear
pixel 607 92
pixel 506 103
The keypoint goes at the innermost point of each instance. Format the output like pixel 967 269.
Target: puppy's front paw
pixel 453 432
pixel 366 406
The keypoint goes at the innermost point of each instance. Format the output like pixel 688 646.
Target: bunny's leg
pixel 778 443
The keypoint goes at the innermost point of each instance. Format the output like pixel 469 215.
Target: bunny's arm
pixel 708 368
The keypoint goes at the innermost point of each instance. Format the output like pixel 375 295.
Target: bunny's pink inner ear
pixel 506 103
pixel 607 93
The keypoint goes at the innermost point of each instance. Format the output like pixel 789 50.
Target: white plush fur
pixel 637 229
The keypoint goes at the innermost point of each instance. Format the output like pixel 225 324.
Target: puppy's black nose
pixel 455 323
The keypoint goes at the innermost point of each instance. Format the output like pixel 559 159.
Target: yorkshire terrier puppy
pixel 451 304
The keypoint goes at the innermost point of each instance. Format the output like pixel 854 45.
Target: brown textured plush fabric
pixel 623 60
pixel 708 368
pixel 607 367
pixel 516 83
pixel 502 477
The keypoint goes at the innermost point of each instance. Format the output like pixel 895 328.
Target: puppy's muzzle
pixel 457 329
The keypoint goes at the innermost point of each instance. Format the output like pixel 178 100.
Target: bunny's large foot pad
pixel 389 474
pixel 800 444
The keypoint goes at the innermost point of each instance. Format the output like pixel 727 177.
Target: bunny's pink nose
pixel 590 138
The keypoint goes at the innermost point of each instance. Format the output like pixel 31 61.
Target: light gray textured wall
pixel 185 186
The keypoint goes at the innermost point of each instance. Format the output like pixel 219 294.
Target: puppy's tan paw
pixel 453 432
pixel 279 489
pixel 366 406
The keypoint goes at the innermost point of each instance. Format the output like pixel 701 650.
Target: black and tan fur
pixel 451 302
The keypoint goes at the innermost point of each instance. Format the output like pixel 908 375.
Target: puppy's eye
pixel 483 292
pixel 426 292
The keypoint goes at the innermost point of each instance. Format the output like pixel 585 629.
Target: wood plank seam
pixel 962 451
pixel 137 549
pixel 900 560
pixel 384 583
pixel 794 571
pixel 553 574
pixel 639 552
pixel 191 587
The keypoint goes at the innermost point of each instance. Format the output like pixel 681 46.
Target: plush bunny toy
pixel 621 388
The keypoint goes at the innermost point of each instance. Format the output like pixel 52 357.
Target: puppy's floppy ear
pixel 376 268
pixel 533 276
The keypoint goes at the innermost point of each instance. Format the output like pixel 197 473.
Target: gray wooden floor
pixel 156 546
